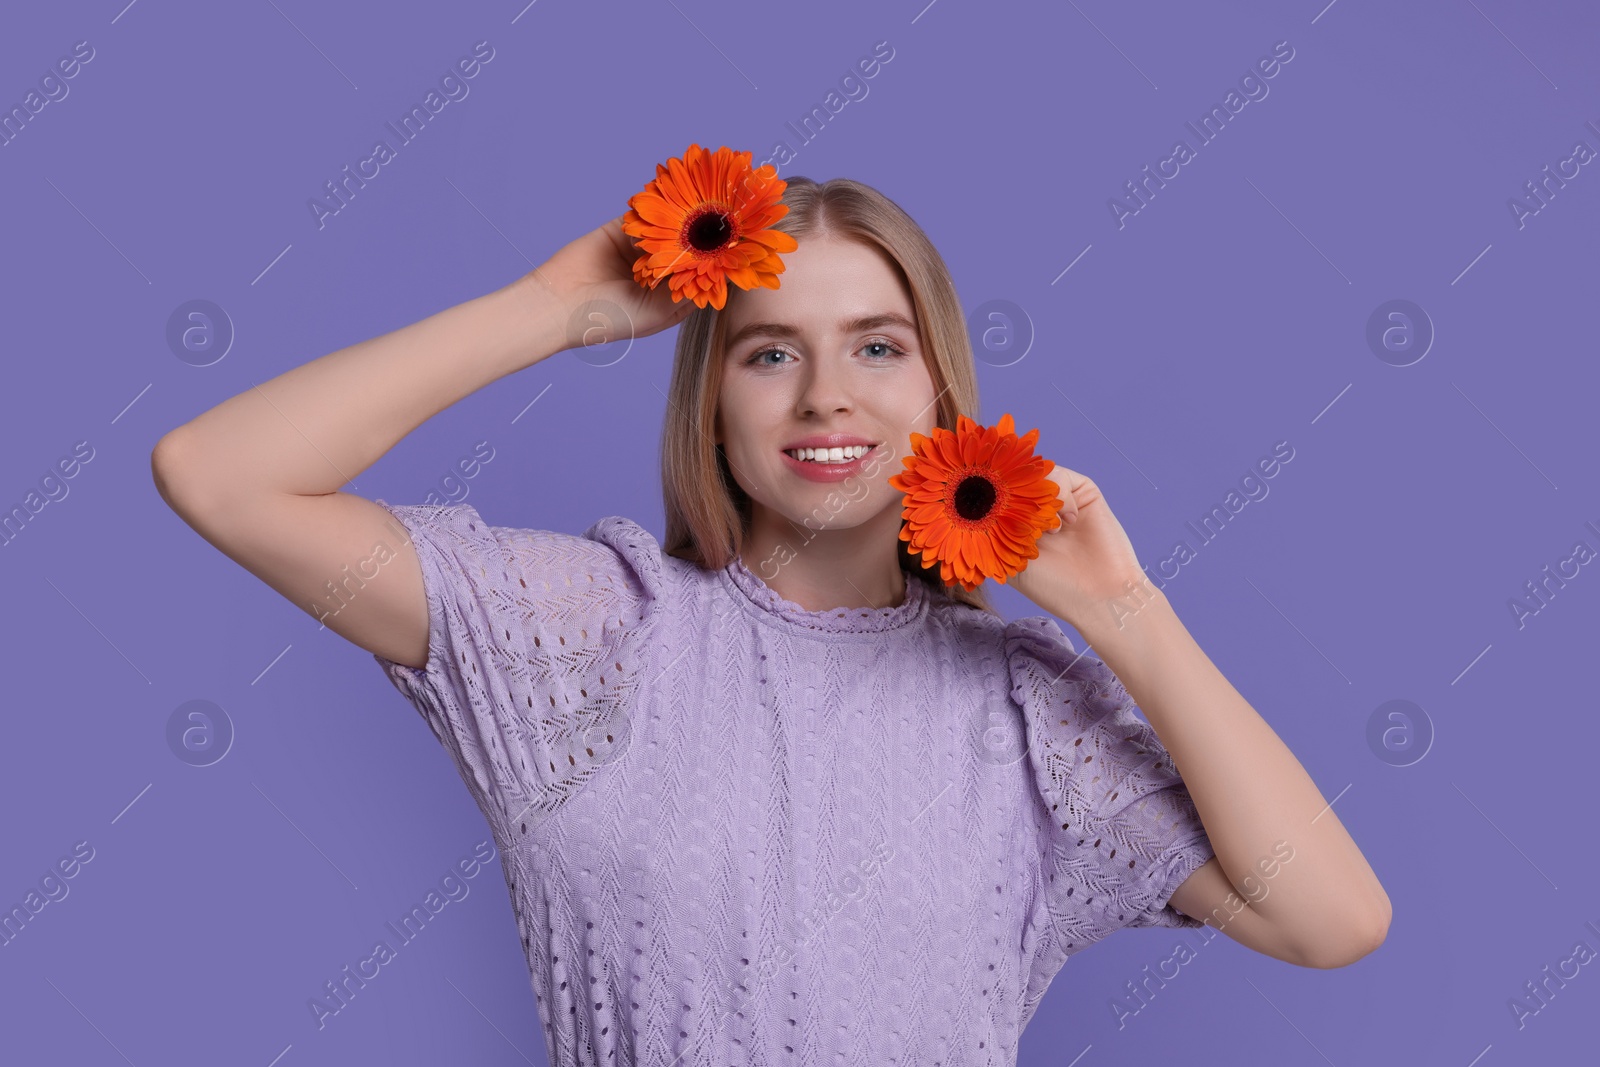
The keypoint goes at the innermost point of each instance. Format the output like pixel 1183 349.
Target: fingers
pixel 1068 480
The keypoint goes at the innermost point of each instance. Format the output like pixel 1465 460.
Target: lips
pixel 829 470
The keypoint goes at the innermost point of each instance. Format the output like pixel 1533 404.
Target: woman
pixel 766 791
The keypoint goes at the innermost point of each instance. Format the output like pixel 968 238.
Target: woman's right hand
pixel 592 279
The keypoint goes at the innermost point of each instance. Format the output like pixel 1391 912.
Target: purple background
pixel 1230 313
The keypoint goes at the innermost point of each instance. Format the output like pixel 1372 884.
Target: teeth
pixel 829 455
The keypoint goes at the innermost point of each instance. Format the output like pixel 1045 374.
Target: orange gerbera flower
pixel 702 222
pixel 977 501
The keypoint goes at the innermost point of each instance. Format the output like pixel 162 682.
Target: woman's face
pixel 835 350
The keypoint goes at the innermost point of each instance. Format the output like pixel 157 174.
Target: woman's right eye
pixel 755 357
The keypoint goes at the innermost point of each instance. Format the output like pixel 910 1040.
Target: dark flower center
pixel 974 497
pixel 709 231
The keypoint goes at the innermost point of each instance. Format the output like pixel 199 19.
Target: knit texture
pixel 736 831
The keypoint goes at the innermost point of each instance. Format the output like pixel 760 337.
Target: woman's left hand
pixel 1087 565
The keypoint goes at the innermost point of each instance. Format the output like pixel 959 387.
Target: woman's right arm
pixel 258 475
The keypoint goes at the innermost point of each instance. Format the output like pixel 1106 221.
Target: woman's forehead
pixel 836 284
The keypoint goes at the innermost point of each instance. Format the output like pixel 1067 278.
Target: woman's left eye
pixel 893 348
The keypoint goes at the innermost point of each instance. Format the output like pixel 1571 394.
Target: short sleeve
pixel 1123 832
pixel 534 646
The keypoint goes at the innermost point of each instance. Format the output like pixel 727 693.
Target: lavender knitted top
pixel 736 831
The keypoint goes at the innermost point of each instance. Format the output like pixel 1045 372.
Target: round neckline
pixel 766 600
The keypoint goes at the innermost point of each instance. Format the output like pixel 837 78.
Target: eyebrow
pixel 783 329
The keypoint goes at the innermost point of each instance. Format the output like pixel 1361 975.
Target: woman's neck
pixel 821 569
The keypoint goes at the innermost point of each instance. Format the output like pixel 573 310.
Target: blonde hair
pixel 707 513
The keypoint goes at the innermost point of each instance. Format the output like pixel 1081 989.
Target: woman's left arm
pixel 1326 908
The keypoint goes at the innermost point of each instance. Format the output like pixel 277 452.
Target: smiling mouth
pixel 828 455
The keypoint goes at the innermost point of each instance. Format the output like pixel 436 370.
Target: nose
pixel 824 389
